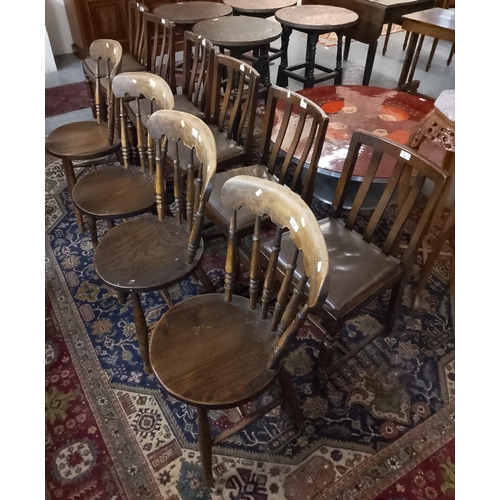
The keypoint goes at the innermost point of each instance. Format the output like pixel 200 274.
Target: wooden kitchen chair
pixel 115 192
pixel 89 140
pixel 300 131
pixel 132 60
pixel 155 252
pixel 218 351
pixel 364 263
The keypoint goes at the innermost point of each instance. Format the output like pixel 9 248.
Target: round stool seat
pixel 206 351
pixel 144 254
pixel 81 141
pixel 114 192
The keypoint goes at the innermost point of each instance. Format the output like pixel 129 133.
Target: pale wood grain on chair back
pixel 287 210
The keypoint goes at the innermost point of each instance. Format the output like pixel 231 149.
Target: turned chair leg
pixel 327 351
pixel 69 173
pixel 205 446
pixel 205 281
pixel 291 399
pixel 93 230
pixel 141 328
pixel 395 304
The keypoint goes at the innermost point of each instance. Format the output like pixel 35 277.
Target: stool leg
pixel 205 445
pixel 282 79
pixel 71 181
pixel 264 66
pixel 347 47
pixel 407 61
pixel 312 40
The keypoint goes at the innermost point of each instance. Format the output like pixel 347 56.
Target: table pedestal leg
pixel 282 79
pixel 312 40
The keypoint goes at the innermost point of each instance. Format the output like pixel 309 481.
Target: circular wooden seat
pixel 81 141
pixel 144 254
pixel 206 351
pixel 114 192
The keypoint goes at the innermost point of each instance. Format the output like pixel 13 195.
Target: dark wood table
pixel 240 34
pixel 389 113
pixel 313 20
pixel 187 14
pixel 437 23
pixel 373 14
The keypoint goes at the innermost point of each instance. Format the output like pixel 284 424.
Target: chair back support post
pixel 136 28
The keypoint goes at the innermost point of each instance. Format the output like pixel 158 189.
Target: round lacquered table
pixel 187 14
pixel 240 34
pixel 389 113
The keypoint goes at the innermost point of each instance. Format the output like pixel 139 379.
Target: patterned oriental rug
pixel 112 432
pixel 66 98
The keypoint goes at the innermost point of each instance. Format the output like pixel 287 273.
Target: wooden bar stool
pixel 313 20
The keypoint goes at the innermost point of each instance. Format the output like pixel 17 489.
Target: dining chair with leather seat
pixel 155 252
pixel 220 350
pixel 291 123
pixel 132 60
pixel 365 258
pixel 90 140
pixel 116 192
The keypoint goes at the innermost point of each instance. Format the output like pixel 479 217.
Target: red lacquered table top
pixel 389 113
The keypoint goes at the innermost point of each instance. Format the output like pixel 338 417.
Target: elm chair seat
pixel 92 192
pixel 144 254
pixel 81 141
pixel 228 375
